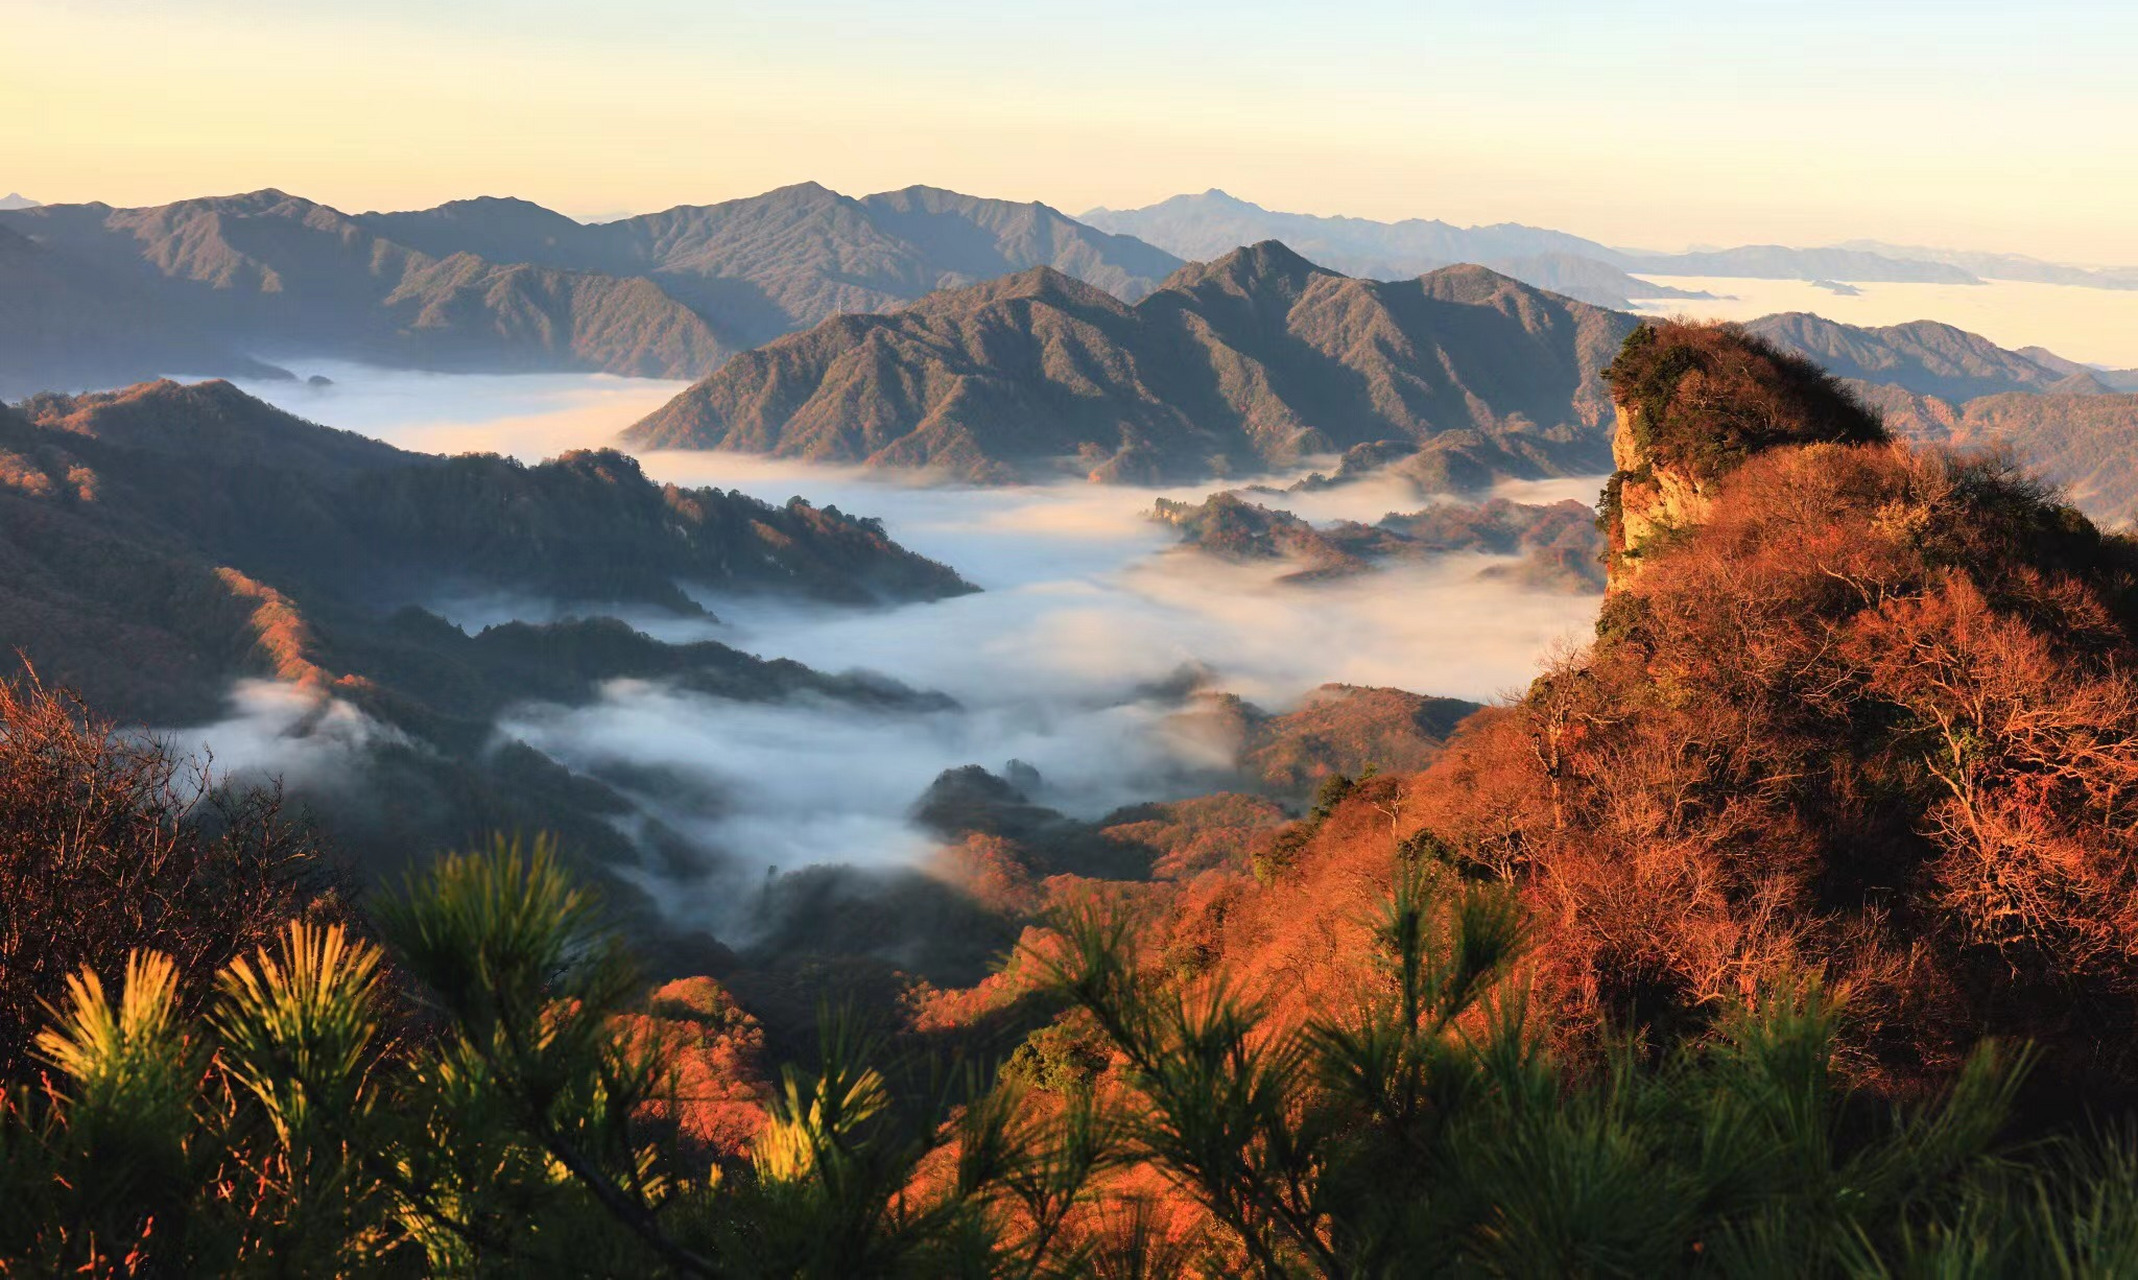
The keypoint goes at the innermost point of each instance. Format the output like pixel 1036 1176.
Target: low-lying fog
pixel 529 416
pixel 1071 659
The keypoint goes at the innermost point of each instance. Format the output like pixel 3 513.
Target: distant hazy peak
pixel 479 205
pixel 2048 359
pixel 16 200
pixel 265 198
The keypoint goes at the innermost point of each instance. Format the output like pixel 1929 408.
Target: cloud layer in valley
pixel 1092 627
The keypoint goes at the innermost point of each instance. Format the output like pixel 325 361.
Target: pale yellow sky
pixel 1655 124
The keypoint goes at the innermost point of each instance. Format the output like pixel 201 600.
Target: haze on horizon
pixel 1656 124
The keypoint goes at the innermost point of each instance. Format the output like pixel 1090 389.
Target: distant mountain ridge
pixel 63 325
pixel 1249 362
pixel 1212 224
pixel 2007 266
pixel 1926 357
pixel 2074 425
pixel 279 276
pixel 767 265
pixel 1201 226
pixel 203 286
pixel 16 200
pixel 1782 262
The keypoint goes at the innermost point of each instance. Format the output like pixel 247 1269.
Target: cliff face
pixel 1694 402
pixel 1646 502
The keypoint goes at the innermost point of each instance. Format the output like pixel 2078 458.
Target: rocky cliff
pixel 1693 402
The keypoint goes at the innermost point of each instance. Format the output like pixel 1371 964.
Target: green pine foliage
pixel 308 1122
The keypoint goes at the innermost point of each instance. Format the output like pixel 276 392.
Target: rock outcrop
pixel 1694 401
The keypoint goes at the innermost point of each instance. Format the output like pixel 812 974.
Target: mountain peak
pixel 496 204
pixel 1469 282
pixel 1249 267
pixel 802 191
pixel 16 200
pixel 265 200
pixel 1041 284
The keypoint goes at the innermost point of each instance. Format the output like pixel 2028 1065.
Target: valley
pixel 1087 654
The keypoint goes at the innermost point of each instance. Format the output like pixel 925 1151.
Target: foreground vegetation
pixel 463 1081
pixel 304 1123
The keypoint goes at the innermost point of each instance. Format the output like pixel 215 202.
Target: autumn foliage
pixel 1873 718
pixel 109 844
pixel 1788 928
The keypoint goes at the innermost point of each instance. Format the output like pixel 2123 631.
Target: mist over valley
pixel 1088 655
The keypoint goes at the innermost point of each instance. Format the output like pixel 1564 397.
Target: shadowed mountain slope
pixel 282 276
pixel 158 542
pixel 2085 444
pixel 1252 361
pixel 61 324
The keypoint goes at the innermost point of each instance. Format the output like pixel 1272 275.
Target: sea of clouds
pixel 1074 658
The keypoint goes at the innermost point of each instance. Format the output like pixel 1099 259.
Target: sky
pixel 1643 123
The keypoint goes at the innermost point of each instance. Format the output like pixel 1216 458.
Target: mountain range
pixel 16 200
pixel 96 296
pixel 1209 225
pixel 499 284
pixel 1261 359
pixel 1253 361
pixel 2007 266
pixel 770 264
pixel 1202 226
